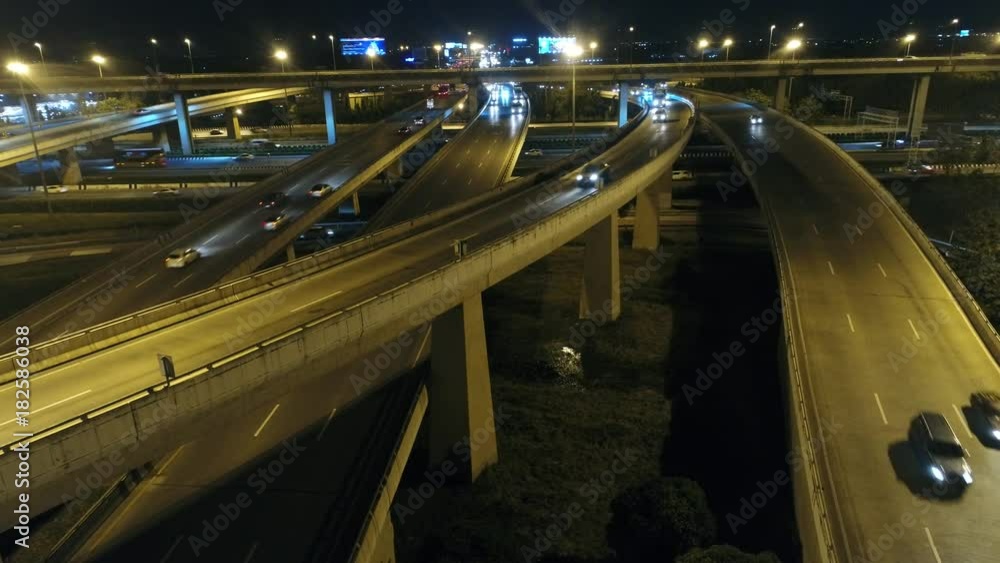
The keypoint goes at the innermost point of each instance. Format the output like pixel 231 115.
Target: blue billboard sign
pixel 554 45
pixel 358 47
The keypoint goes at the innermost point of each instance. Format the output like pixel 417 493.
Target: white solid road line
pixel 913 328
pixel 173 546
pixel 881 411
pixel 253 548
pixel 850 322
pixel 325 424
pixel 243 239
pixel 215 236
pixel 830 264
pixel 143 282
pixel 269 415
pixel 162 468
pixel 815 230
pixel 427 334
pixel 311 303
pixel 15 259
pixel 965 423
pixel 881 269
pixel 91 251
pixel 930 540
pixel 184 280
pixel 55 404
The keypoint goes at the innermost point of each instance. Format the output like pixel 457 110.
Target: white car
pixel 244 156
pixel 140 111
pixel 274 222
pixel 533 152
pixel 419 120
pixel 320 190
pixel 681 175
pixel 167 192
pixel 659 116
pixel 756 119
pixel 181 257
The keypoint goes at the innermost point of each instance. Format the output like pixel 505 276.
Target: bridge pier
pixel 646 233
pixel 622 103
pixel 472 101
pixel 600 294
pixel 918 103
pixel 781 95
pixel 161 137
pixel 329 100
pixel 184 123
pixel 71 167
pixel 461 426
pixel 290 252
pixel 356 203
pixel 233 130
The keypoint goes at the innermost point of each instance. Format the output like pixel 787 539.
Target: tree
pixel 757 96
pixel 660 519
pixel 725 554
pixel 808 109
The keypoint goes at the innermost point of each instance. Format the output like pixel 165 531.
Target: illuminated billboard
pixel 358 47
pixel 554 45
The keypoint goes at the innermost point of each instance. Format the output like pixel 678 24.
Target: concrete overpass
pixel 53 139
pixel 860 285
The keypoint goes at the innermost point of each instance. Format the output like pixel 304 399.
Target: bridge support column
pixel 71 167
pixel 918 103
pixel 233 129
pixel 600 295
pixel 329 100
pixel 646 233
pixel 184 123
pixel 356 201
pixel 290 252
pixel 472 102
pixel 161 137
pixel 781 95
pixel 461 425
pixel 622 103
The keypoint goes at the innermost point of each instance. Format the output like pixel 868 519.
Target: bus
pixel 140 158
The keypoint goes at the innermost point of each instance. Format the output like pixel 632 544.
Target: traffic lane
pixel 194 476
pixel 881 312
pixel 99 379
pixel 140 292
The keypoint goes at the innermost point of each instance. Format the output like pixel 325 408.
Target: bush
pixel 725 554
pixel 660 519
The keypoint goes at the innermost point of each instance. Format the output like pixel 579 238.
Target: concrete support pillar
pixel 385 549
pixel 646 234
pixel 71 174
pixel 290 252
pixel 331 117
pixel 161 137
pixel 918 103
pixel 623 89
pixel 356 201
pixel 472 103
pixel 781 95
pixel 233 129
pixel 600 295
pixel 184 123
pixel 461 402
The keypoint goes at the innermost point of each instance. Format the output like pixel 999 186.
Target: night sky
pixel 120 26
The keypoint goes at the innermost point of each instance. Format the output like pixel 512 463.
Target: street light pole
pixel 42 55
pixel 954 22
pixel 333 50
pixel 156 54
pixel 703 44
pixel 190 54
pixel 909 41
pixel 99 61
pixel 727 44
pixel 770 37
pixel 18 69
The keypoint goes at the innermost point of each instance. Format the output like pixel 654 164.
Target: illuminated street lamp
pixel 20 70
pixel 438 49
pixel 800 26
pixel 793 46
pixel 727 44
pixel 909 41
pixel 372 53
pixel 282 56
pixel 333 49
pixel 770 37
pixel 631 44
pixel 190 54
pixel 574 51
pixel 703 44
pixel 99 61
pixel 593 47
pixel 954 22
pixel 42 55
pixel 156 54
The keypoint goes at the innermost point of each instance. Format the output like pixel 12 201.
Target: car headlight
pixel 579 177
pixel 967 477
pixel 593 177
pixel 996 434
pixel 937 473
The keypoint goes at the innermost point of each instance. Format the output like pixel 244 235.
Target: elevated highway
pixel 878 329
pixel 532 74
pixel 53 139
pixel 236 358
pixel 230 236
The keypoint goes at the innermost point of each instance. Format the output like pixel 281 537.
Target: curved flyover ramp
pixel 878 329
